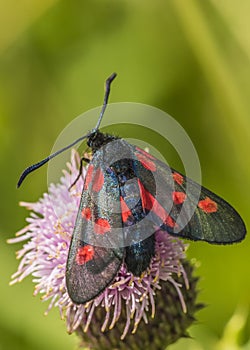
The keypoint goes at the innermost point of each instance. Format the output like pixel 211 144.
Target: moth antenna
pixel 44 161
pixel 105 101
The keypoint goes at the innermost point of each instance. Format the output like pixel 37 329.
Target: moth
pixel 127 196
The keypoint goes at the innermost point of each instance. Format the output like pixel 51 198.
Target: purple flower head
pixel 130 302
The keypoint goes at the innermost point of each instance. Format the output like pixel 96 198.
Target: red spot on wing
pixel 146 197
pixel 208 205
pixel 146 162
pixel 146 154
pixel 150 203
pixel 179 197
pixel 88 177
pixel 84 254
pixel 86 213
pixel 178 178
pixel 98 180
pixel 101 226
pixel 126 212
pixel 170 222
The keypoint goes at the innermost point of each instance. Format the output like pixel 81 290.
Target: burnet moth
pixel 127 192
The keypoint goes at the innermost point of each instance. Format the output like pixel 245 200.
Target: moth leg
pixel 83 159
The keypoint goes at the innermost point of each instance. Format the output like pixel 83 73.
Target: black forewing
pixel 100 197
pixel 223 225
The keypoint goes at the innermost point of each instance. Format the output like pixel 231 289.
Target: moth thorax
pixel 98 139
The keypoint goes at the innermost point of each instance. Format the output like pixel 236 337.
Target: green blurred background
pixel 191 58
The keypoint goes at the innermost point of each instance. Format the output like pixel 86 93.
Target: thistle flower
pixel 155 308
